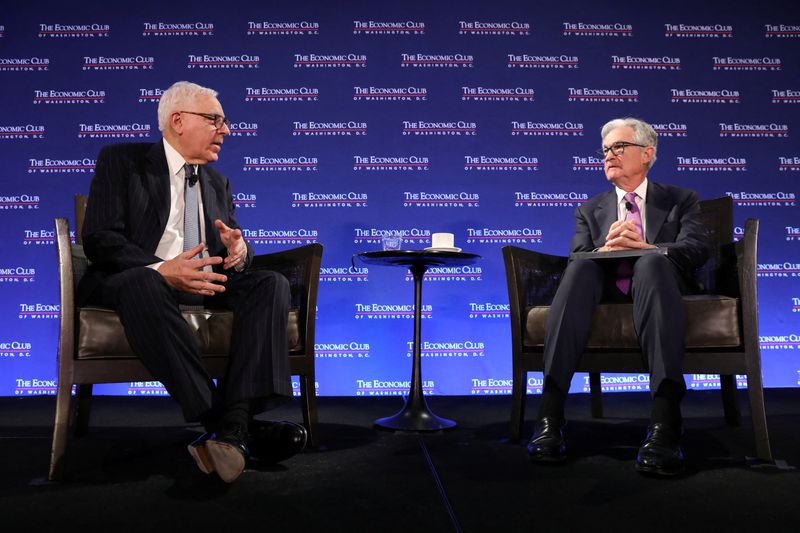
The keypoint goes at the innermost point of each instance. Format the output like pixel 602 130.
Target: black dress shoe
pixel 547 443
pixel 661 453
pixel 273 442
pixel 229 452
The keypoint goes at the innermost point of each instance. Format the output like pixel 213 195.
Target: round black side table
pixel 415 414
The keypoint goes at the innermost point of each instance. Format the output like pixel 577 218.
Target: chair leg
pixel 595 395
pixel 84 409
pixel 755 392
pixel 518 398
pixel 60 430
pixel 733 415
pixel 308 393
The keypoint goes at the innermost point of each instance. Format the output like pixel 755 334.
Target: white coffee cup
pixel 442 240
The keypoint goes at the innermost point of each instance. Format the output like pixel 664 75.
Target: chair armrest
pixel 301 267
pixel 736 272
pixel 532 280
pixel 532 277
pixel 66 277
pixel 67 282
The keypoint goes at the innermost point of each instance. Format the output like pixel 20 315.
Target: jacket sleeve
pixel 582 238
pixel 690 249
pixel 108 238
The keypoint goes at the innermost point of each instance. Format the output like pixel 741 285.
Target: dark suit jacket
pixel 672 221
pixel 129 206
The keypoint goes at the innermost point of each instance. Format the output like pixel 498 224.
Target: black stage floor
pixel 132 472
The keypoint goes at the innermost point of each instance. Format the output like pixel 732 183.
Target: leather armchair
pixel 92 347
pixel 722 323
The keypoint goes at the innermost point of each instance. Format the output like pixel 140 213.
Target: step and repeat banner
pixel 355 118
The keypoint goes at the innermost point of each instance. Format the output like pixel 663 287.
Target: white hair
pixel 643 133
pixel 180 94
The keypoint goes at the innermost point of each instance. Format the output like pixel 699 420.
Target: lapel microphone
pixel 192 177
pixel 628 205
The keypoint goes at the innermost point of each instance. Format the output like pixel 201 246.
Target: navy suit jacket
pixel 672 221
pixel 128 209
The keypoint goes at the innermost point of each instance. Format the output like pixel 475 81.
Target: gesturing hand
pixel 185 274
pixel 233 241
pixel 624 235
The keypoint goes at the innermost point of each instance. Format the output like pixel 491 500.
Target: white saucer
pixel 442 249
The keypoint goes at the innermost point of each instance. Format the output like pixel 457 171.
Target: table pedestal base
pixel 415 418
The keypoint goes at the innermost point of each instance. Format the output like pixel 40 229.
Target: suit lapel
pixel 157 183
pixel 658 206
pixel 606 214
pixel 209 206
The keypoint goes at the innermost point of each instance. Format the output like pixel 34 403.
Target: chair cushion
pixel 101 336
pixel 711 322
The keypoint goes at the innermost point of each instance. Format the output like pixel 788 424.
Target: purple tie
pixel 625 270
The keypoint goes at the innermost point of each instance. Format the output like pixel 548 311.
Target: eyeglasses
pixel 218 120
pixel 617 148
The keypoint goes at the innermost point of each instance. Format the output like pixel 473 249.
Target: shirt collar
pixel 641 192
pixel 175 160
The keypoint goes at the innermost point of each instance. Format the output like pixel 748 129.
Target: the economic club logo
pixel 584 29
pixel 698 31
pixel 24 64
pixel 61 31
pixel 477 27
pixel 561 61
pixel 177 29
pixel 270 28
pixel 238 61
pixel 97 63
pixel 281 94
pixel 375 27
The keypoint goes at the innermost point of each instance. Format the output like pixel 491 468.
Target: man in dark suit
pixel 160 234
pixel 636 214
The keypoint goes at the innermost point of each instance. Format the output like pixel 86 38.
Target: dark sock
pixel 667 405
pixel 210 420
pixel 236 414
pixel 553 399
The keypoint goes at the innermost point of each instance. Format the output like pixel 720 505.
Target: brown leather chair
pixel 722 324
pixel 92 347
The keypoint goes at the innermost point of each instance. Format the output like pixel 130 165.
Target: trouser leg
pixel 159 336
pixel 259 357
pixel 570 320
pixel 659 318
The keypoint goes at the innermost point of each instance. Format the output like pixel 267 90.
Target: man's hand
pixel 624 235
pixel 233 241
pixel 186 274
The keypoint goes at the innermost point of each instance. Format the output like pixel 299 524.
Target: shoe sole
pixel 546 459
pixel 200 454
pixel 228 460
pixel 657 472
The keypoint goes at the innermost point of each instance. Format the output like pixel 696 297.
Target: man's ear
pixel 176 122
pixel 647 154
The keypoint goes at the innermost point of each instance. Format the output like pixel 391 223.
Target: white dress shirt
pixel 641 197
pixel 171 243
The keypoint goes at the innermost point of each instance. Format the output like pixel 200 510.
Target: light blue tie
pixel 191 228
pixel 191 218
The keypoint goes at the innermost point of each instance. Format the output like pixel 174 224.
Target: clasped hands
pixel 624 235
pixel 185 274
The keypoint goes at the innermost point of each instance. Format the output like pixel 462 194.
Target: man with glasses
pixel 635 214
pixel 160 235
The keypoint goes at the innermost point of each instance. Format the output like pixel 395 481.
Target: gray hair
pixel 643 133
pixel 177 96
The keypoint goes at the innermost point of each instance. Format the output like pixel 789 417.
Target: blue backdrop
pixel 350 119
